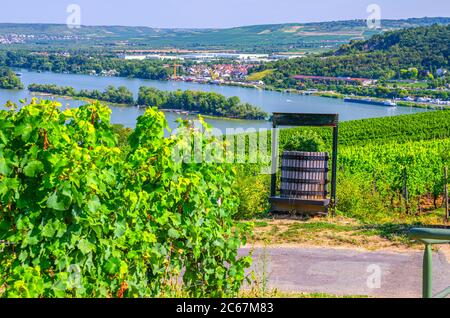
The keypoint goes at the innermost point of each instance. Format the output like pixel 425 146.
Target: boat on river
pixel 386 103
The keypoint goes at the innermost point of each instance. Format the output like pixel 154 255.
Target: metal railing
pixel 430 237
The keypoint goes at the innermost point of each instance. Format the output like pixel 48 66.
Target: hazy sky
pixel 212 13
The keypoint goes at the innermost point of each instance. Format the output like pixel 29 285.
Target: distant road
pixel 346 272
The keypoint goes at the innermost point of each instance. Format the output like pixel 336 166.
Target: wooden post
pixel 447 215
pixel 374 176
pixel 334 168
pixel 405 189
pixel 273 183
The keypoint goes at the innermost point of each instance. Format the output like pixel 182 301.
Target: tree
pixel 9 80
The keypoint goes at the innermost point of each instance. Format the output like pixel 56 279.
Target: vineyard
pixel 90 210
pixel 396 156
pixel 81 217
pixel 415 167
pixel 397 161
pixel 399 129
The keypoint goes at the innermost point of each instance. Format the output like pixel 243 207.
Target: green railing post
pixel 428 272
pixel 430 237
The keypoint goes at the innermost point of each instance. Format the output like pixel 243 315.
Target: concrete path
pixel 346 272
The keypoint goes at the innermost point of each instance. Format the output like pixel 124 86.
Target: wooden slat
pixel 306 169
pixel 304 175
pixel 320 120
pixel 306 181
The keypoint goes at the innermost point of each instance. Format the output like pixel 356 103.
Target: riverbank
pixel 334 95
pixel 399 102
pixel 83 99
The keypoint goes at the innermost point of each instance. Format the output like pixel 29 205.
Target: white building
pixel 163 57
pixel 132 57
pixel 148 57
pixel 228 56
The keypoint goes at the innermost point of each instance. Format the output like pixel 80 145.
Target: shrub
pixel 302 140
pixel 80 218
pixel 254 192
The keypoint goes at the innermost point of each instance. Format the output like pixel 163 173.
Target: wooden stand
pixel 304 192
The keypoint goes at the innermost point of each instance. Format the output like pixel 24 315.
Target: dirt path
pixel 346 271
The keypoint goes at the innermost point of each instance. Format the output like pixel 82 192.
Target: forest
pixel 382 90
pixel 267 38
pixel 84 63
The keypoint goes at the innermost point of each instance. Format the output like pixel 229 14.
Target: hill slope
pixel 382 56
pixel 259 37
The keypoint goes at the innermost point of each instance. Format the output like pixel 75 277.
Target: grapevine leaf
pixel 48 230
pixel 112 266
pixel 94 204
pixel 33 168
pixel 174 233
pixel 55 203
pixel 85 246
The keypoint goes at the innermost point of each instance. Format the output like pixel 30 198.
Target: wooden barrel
pixel 304 175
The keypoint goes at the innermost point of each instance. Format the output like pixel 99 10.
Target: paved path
pixel 346 272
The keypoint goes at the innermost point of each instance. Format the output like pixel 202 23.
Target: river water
pixel 269 101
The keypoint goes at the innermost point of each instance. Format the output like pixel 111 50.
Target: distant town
pixel 211 67
pixel 13 38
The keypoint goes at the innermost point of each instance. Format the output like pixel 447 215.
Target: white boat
pixel 390 103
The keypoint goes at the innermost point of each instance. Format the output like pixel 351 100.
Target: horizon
pixel 203 14
pixel 205 28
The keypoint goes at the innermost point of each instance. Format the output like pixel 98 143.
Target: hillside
pixel 384 56
pixel 290 36
pixel 424 40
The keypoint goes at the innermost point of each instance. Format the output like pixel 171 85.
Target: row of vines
pixel 430 125
pixel 397 156
pixel 415 167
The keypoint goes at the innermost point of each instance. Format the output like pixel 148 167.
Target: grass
pixel 259 76
pixel 278 294
pixel 422 85
pixel 387 232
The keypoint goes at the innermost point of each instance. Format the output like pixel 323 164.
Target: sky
pixel 213 13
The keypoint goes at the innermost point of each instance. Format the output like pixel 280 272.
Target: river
pixel 269 101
